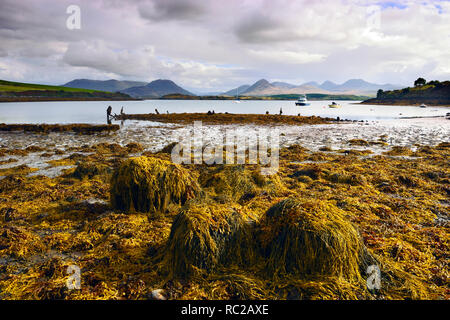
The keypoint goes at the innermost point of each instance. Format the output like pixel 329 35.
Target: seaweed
pixel 226 231
pixel 310 238
pixel 146 184
pixel 205 237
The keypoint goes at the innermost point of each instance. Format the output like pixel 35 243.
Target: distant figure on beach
pixel 281 111
pixel 121 111
pixel 108 114
pixel 213 112
pixel 267 112
pixel 167 111
pixel 156 110
pixel 298 114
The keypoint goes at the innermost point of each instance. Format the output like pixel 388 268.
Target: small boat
pixel 302 101
pixel 334 105
pixel 423 105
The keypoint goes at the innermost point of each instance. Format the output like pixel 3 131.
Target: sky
pixel 209 46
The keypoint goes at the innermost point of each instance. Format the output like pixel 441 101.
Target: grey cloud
pixel 165 10
pixel 212 43
pixel 260 28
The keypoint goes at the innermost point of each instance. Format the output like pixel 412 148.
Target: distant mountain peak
pixel 259 86
pixel 262 81
pixel 157 88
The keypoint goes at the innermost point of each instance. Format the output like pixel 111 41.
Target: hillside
pixel 236 91
pixel 16 91
pixel 432 93
pixel 100 85
pixel 156 89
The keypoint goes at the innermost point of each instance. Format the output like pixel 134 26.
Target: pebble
pixel 158 294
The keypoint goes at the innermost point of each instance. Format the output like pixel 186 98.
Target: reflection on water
pixel 95 111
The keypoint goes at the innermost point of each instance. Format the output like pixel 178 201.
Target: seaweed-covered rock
pixel 89 170
pixel 399 151
pixel 238 183
pixel 313 173
pixel 205 236
pixel 310 238
pixel 146 184
pixel 346 178
pixel 168 148
pixel 134 147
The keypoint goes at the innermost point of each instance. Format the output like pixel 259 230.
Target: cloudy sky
pixel 215 45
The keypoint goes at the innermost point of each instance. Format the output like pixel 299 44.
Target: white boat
pixel 423 105
pixel 334 105
pixel 302 101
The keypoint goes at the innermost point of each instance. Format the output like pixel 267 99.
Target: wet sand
pixel 153 136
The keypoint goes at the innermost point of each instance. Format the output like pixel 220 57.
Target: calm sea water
pixel 95 111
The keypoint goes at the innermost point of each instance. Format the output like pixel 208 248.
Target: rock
pixel 158 294
pixel 11 214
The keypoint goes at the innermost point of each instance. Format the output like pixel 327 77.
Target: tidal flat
pixel 346 196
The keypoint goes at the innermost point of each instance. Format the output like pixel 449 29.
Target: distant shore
pixel 401 103
pixel 433 93
pixel 49 99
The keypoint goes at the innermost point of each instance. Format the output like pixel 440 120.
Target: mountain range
pixel 106 85
pixel 159 88
pixel 353 87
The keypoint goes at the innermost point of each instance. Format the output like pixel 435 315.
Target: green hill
pixel 16 91
pixel 432 93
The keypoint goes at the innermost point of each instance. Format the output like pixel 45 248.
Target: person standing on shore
pixel 108 114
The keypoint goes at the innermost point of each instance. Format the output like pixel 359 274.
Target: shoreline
pixel 401 103
pixel 46 99
pixel 81 128
pixel 228 118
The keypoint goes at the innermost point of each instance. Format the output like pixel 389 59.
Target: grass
pixel 10 86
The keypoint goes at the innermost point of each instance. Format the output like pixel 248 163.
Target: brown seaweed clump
pixel 146 184
pixel 236 182
pixel 204 237
pixel 87 170
pixel 399 151
pixel 311 238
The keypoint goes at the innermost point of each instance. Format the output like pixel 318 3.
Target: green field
pixel 9 86
pixel 25 92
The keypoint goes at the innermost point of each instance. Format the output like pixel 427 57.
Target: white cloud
pixel 220 44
